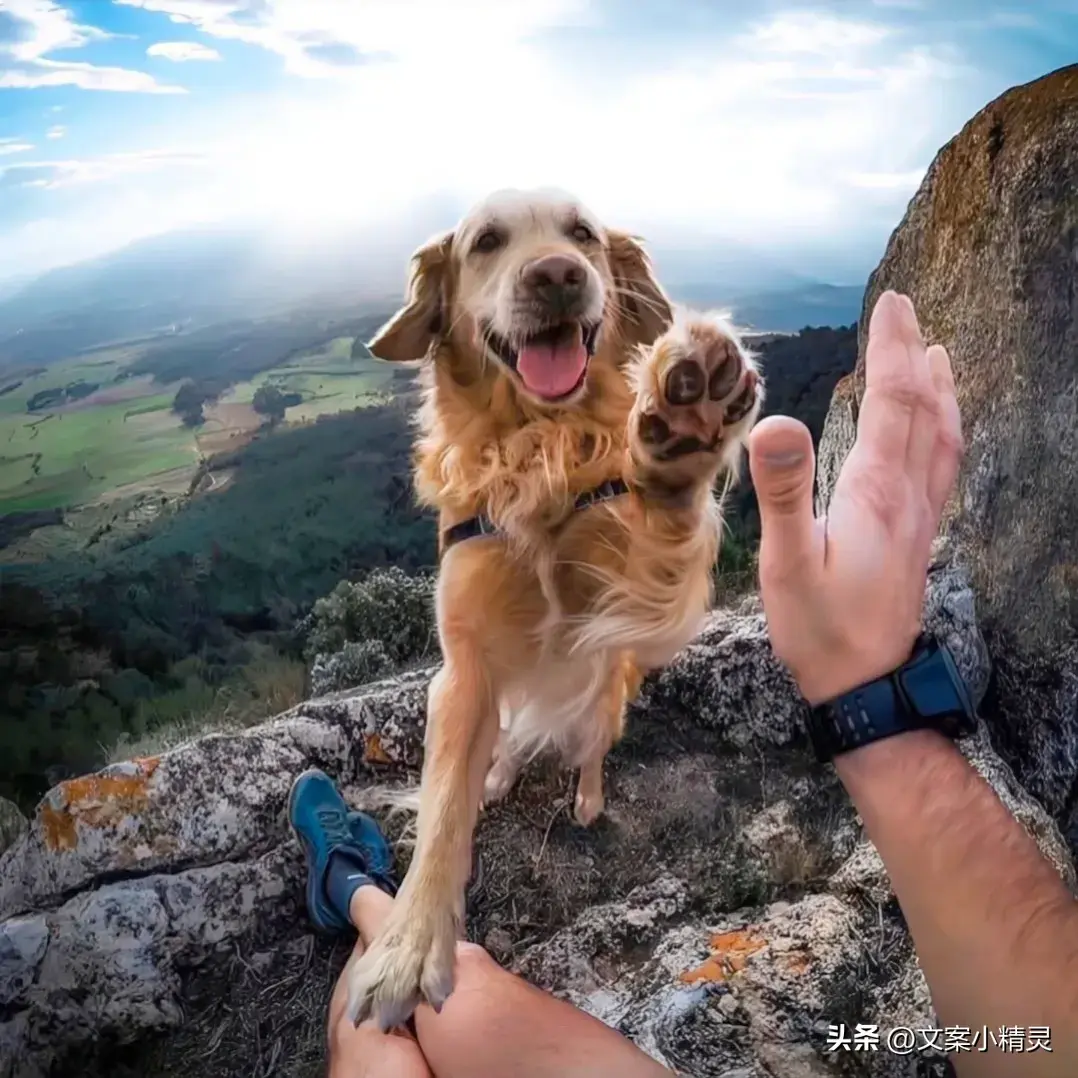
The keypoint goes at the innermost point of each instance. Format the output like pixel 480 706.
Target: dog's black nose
pixel 555 279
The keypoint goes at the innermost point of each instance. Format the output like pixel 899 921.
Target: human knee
pixel 362 1051
pixel 473 963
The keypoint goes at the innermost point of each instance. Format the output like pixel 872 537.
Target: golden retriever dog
pixel 571 437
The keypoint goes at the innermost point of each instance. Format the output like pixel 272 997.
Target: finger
pixel 947 457
pixel 925 421
pixel 783 467
pixel 886 414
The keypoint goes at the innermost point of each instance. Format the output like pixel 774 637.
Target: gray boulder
pixel 12 823
pixel 988 251
pixel 151 917
pixel 728 909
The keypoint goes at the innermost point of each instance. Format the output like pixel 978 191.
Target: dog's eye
pixel 582 234
pixel 487 241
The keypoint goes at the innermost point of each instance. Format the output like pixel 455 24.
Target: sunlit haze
pixel 793 127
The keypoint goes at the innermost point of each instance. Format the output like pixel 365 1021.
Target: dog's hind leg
pixel 623 686
pixel 503 771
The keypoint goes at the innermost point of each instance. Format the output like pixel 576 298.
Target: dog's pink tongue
pixel 552 370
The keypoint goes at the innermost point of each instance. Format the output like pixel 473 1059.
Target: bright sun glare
pixel 723 138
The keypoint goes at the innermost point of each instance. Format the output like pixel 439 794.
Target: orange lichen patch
pixel 97 800
pixel 798 962
pixel 729 953
pixel 373 753
pixel 59 828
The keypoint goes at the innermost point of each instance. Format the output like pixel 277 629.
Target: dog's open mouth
pixel 552 364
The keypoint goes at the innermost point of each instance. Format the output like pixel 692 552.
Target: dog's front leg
pixel 413 957
pixel 698 395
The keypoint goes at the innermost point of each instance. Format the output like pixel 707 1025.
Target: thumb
pixel 783 467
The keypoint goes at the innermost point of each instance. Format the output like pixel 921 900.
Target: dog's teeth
pixel 590 337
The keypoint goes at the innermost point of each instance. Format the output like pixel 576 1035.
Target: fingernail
pixel 786 459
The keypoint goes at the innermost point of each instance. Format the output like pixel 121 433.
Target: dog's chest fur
pixel 577 588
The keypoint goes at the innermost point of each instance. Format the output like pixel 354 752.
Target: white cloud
pixel 14 145
pixel 315 36
pixel 56 132
pixel 808 32
pixel 182 51
pixel 42 27
pixel 804 129
pixel 106 168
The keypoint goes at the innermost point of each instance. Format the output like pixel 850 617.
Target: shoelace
pixel 335 827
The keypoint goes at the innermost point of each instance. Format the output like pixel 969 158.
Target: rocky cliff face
pixel 729 908
pixel 988 251
pixel 724 914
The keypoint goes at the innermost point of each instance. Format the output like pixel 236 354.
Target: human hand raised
pixel 843 593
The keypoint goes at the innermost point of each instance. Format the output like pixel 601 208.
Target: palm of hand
pixel 843 593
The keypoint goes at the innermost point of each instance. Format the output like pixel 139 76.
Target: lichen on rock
pixel 728 907
pixel 728 892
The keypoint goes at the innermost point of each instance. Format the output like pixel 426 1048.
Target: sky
pixel 796 127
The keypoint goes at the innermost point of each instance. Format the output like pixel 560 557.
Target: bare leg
pixel 494 1025
pixel 364 1051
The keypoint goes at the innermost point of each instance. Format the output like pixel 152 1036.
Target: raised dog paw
pixel 411 962
pixel 698 395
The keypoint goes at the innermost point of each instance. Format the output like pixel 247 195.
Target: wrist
pixel 923 691
pixel 906 752
pixel 842 672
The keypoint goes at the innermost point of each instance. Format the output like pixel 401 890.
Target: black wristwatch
pixel 925 693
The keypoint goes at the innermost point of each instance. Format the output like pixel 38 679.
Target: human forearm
pixel 994 926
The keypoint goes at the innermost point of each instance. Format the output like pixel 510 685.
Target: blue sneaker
pixel 342 848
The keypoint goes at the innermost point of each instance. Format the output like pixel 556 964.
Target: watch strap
pixel 926 693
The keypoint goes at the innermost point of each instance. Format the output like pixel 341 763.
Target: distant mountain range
pixel 786 310
pixel 195 278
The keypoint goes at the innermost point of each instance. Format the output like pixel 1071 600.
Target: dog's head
pixel 534 287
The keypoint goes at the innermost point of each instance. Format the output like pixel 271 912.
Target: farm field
pixel 328 379
pixel 76 450
pixel 88 430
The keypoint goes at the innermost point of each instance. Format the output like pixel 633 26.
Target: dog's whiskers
pixel 639 297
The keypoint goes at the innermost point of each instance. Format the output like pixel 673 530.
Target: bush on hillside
pixel 357 663
pixel 366 629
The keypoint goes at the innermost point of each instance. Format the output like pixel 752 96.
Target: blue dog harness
pixel 474 527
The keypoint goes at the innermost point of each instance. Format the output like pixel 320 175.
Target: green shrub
pixel 366 629
pixel 356 663
pixel 387 605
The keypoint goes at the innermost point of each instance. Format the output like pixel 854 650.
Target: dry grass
pixel 229 425
pixel 262 689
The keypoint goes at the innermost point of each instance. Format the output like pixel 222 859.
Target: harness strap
pixel 477 526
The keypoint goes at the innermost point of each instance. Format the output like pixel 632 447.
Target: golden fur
pixel 548 628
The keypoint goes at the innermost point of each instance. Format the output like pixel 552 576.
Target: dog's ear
pixel 641 298
pixel 411 331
